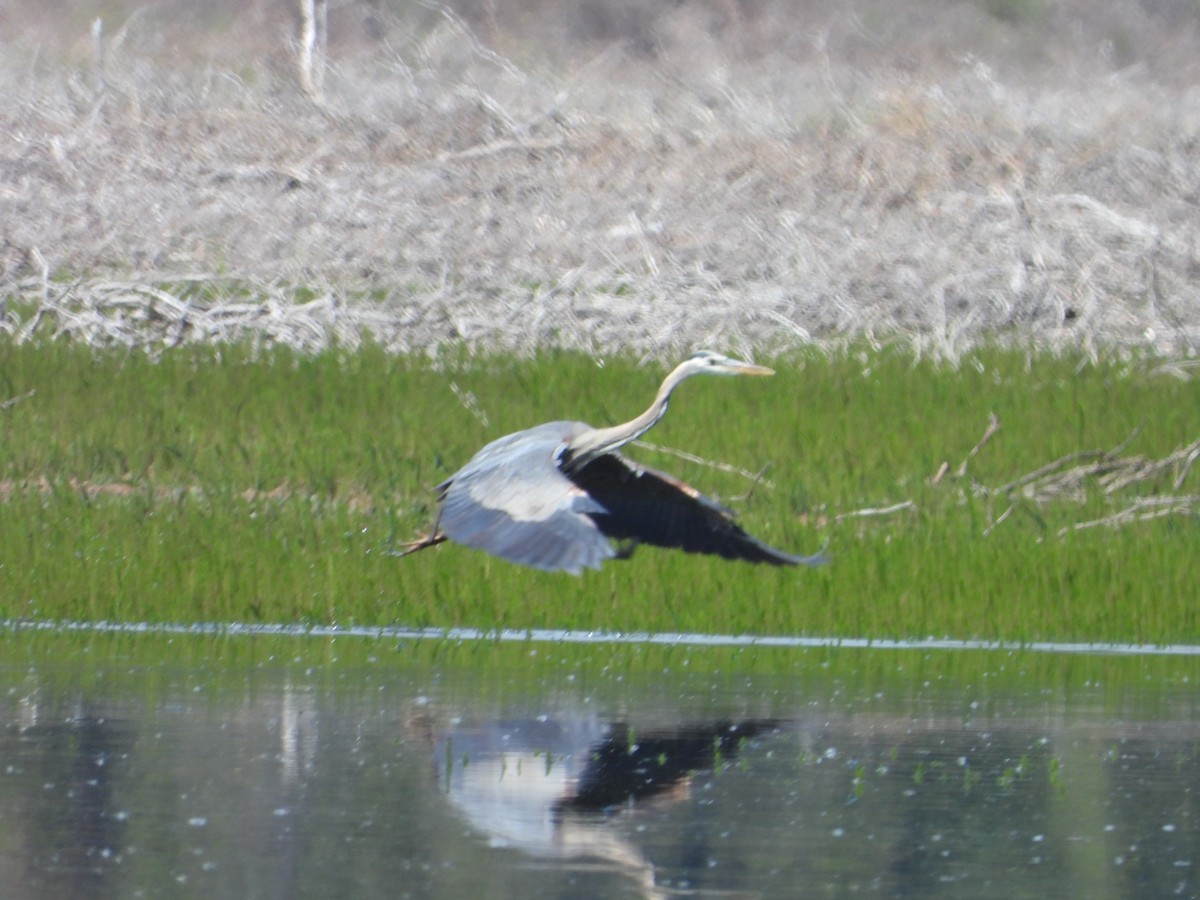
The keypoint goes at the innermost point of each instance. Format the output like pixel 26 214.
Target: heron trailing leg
pixel 435 536
pixel 420 543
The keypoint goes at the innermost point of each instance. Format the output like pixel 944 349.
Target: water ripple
pixel 562 636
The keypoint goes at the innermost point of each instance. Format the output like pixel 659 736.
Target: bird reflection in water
pixel 627 767
pixel 561 788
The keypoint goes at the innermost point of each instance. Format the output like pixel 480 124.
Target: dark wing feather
pixel 652 507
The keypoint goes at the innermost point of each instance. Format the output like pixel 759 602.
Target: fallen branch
pixel 1000 521
pixel 992 427
pixel 1054 479
pixel 352 496
pixel 756 477
pixel 1041 473
pixel 875 511
pixel 1159 507
pixel 1139 469
pixel 13 401
pixel 1109 473
pixel 155 315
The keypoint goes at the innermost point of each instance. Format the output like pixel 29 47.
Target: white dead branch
pixel 594 199
pixel 312 47
pixel 1110 474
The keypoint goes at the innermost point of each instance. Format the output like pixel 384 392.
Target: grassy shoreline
pixel 225 483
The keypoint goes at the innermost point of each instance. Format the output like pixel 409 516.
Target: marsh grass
pixel 229 483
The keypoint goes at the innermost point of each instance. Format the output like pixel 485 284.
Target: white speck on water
pixel 1168 827
pixel 197 821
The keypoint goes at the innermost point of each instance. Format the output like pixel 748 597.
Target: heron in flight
pixel 552 496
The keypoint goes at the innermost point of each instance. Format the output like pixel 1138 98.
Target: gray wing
pixel 513 501
pixel 651 507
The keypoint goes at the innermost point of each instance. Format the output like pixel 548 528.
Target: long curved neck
pixel 599 441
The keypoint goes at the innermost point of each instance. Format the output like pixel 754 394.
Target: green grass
pixel 356 441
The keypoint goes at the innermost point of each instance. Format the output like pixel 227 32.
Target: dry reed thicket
pixel 615 175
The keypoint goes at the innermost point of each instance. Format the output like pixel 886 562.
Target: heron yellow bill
pixel 737 367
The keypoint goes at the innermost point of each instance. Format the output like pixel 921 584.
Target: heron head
pixel 709 363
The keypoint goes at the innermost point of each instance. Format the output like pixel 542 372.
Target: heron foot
pixel 420 543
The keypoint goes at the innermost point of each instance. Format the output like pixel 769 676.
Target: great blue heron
pixel 551 496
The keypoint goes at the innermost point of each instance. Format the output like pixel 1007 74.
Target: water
pixel 561 636
pixel 249 764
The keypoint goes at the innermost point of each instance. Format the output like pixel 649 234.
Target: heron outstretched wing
pixel 551 496
pixel 652 507
pixel 513 501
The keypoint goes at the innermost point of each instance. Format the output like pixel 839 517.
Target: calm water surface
pixel 272 766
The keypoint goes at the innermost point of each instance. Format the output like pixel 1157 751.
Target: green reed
pixel 234 483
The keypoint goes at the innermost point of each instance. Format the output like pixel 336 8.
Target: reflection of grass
pixel 229 484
